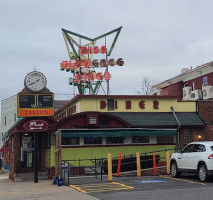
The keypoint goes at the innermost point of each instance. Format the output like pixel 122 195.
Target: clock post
pixel 35 102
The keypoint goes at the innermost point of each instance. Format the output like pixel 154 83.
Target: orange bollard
pixel 119 164
pixel 154 164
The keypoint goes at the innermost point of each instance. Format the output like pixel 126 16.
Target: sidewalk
pixel 43 190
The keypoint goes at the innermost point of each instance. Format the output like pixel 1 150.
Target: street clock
pixel 35 81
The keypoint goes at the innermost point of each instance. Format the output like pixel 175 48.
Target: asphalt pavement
pixel 160 187
pixel 43 190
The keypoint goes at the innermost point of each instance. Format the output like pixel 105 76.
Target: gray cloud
pixel 158 39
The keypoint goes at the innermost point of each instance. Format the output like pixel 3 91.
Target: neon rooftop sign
pixel 82 64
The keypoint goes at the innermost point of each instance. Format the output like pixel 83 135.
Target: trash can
pixel 59 181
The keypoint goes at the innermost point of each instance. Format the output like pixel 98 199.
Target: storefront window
pixel 187 135
pixel 70 141
pixel 27 151
pixel 93 140
pixel 114 140
pixel 140 139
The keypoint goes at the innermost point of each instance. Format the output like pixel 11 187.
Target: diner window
pixel 127 140
pixel 102 120
pixel 114 140
pixel 110 104
pixel 140 139
pixel 70 141
pixel 93 140
pixel 92 120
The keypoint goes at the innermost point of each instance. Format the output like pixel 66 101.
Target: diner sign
pixel 82 63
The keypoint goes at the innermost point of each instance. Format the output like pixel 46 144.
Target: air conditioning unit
pixel 187 93
pixel 207 92
pixel 196 94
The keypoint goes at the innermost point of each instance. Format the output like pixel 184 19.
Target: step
pixel 22 177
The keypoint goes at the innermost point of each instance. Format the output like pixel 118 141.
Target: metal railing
pixel 99 166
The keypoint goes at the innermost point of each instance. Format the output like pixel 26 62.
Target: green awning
pixel 6 134
pixel 116 133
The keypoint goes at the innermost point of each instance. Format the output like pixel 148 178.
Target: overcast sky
pixel 158 39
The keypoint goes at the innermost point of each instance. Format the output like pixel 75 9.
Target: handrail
pixel 100 164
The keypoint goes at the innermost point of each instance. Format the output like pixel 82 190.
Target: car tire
pixel 202 173
pixel 174 170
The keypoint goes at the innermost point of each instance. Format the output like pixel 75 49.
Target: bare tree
pixel 146 85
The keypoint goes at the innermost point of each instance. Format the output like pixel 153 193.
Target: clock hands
pixel 34 82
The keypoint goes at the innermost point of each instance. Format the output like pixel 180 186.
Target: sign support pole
pixel 36 158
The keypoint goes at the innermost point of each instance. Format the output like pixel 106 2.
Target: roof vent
pixel 184 70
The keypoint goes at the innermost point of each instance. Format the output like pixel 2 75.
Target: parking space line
pixel 113 186
pixel 178 179
pixel 129 187
pixel 77 188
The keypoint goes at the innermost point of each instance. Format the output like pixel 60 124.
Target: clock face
pixel 35 81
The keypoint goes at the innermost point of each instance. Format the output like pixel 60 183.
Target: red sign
pixel 36 125
pixel 35 112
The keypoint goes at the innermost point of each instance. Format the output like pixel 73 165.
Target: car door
pixel 196 155
pixel 183 158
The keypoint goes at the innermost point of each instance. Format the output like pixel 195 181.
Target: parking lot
pixel 151 187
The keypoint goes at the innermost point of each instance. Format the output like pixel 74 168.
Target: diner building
pixel 91 126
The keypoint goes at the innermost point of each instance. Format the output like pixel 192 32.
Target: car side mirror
pixel 179 150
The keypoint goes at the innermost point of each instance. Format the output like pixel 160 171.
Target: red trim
pixel 64 120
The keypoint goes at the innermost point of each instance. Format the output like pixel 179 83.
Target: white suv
pixel 196 157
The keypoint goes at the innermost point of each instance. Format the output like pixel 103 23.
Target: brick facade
pixel 205 109
pixel 15 154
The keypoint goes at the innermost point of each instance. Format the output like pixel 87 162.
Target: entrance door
pixel 27 151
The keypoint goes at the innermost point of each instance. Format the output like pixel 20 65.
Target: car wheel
pixel 174 170
pixel 202 173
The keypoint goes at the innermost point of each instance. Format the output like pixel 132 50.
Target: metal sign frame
pixel 35 105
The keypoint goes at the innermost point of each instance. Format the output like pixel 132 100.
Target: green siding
pixel 52 162
pixel 99 152
pixel 48 158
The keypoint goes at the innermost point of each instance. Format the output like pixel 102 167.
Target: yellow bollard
pixel 109 167
pixel 167 163
pixel 138 164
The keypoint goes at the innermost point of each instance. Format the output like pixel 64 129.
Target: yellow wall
pixel 84 104
pixel 164 105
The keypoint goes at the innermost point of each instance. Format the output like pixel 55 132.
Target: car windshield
pixel 211 148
